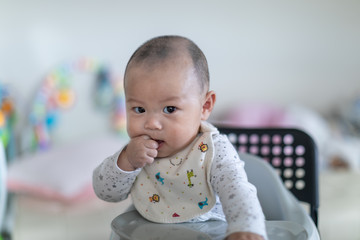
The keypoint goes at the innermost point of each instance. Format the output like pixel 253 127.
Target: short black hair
pixel 162 48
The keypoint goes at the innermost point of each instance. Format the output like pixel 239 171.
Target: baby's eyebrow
pixel 133 100
pixel 172 98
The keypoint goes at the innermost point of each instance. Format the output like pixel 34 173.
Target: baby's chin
pixel 164 151
pixel 163 155
pixel 166 154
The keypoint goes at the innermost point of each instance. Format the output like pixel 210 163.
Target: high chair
pixel 288 175
pixel 291 152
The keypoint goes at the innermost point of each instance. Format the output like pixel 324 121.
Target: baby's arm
pixel 238 197
pixel 111 183
pixel 113 179
pixel 244 236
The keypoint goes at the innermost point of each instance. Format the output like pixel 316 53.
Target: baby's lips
pixel 147 137
pixel 159 142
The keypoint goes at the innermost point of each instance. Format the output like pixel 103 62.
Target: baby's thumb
pixel 146 137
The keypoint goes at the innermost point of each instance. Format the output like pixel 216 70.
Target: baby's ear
pixel 208 105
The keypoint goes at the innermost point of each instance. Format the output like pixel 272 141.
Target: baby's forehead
pixel 142 73
pixel 178 58
pixel 160 65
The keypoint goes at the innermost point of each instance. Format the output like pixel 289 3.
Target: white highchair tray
pixel 132 225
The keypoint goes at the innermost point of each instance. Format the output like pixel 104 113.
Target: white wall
pixel 304 52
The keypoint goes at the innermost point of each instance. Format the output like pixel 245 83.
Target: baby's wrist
pixel 123 162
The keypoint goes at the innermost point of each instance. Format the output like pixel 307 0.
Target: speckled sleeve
pixel 238 197
pixel 110 183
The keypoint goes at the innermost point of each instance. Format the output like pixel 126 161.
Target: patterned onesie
pixel 205 181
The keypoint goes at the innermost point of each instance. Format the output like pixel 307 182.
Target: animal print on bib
pixel 177 188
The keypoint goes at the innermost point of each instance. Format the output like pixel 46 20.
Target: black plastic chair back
pixel 291 152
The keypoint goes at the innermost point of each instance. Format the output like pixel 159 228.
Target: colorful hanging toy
pixel 56 94
pixel 7 122
pixel 7 116
pixel 110 98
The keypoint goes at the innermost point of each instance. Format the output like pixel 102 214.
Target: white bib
pixel 177 188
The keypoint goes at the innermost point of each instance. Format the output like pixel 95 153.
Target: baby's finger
pixel 152 153
pixel 146 137
pixel 152 144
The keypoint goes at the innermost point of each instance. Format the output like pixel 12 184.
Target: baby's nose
pixel 153 123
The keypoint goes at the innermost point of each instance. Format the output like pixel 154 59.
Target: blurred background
pixel 272 63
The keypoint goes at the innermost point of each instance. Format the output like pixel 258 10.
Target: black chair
pixel 291 152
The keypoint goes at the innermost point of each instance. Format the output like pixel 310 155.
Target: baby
pixel 177 167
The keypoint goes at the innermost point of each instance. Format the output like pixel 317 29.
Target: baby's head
pixel 170 50
pixel 167 92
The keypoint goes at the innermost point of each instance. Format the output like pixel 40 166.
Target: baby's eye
pixel 169 109
pixel 139 109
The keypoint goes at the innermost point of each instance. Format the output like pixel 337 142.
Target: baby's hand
pixel 244 236
pixel 140 151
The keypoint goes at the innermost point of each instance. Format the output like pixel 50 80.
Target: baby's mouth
pixel 160 143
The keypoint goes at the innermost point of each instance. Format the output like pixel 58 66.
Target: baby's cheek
pixel 183 137
pixel 134 130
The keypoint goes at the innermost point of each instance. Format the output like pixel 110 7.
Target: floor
pixel 339 215
pixel 339 205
